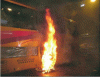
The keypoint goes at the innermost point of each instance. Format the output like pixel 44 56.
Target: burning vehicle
pixel 54 37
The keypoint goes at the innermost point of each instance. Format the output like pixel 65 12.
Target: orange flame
pixel 49 57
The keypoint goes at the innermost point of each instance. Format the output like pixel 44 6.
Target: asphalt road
pixel 33 72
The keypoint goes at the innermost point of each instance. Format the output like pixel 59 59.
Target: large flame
pixel 49 56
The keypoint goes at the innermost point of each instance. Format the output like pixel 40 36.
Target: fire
pixel 49 56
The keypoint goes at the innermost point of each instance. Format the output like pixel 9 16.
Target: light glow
pixel 2 9
pixel 19 44
pixel 49 56
pixel 93 0
pixel 82 5
pixel 71 20
pixel 9 9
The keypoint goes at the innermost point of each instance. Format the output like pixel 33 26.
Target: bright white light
pixel 9 9
pixel 19 44
pixel 93 0
pixel 82 5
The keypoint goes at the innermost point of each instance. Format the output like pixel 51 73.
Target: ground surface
pixel 32 72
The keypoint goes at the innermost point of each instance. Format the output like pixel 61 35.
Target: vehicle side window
pixel 8 52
